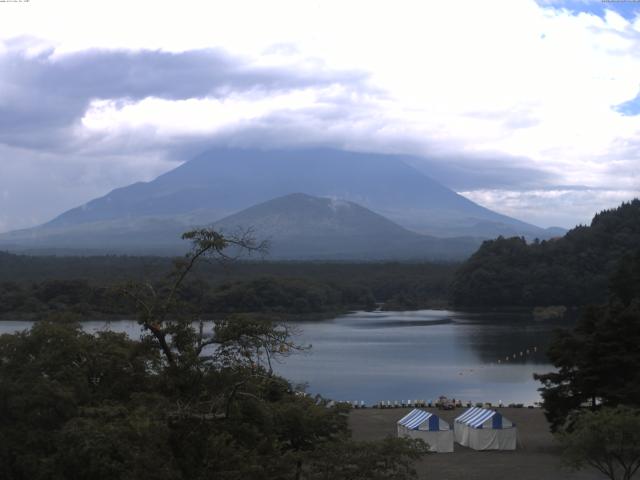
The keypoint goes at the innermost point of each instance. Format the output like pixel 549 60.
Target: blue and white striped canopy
pixel 475 417
pixel 416 417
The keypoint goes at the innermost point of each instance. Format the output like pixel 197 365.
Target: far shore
pixel 533 313
pixel 97 316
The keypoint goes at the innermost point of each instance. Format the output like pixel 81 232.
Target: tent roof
pixel 415 418
pixel 475 417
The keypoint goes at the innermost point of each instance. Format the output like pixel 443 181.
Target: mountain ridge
pixel 219 184
pixel 300 226
pixel 224 181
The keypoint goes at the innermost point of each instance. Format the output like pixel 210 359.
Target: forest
pixel 506 272
pixel 31 287
pixel 573 270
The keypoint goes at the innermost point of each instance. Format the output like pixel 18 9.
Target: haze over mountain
pixel 301 226
pixel 220 183
pixel 297 226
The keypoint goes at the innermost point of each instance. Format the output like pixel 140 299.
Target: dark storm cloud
pixel 45 94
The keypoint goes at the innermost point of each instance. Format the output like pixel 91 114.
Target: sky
pixel 530 108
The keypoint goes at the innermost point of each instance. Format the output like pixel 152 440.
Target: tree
pixel 56 379
pixel 598 361
pixel 571 270
pixel 607 440
pixel 392 458
pixel 180 403
pixel 164 316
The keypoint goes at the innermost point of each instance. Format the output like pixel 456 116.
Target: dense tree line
pixel 572 270
pixel 107 269
pixel 36 286
pixel 180 403
pixel 36 300
pixel 263 295
pixel 287 295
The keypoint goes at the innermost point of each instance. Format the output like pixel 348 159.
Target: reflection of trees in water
pixel 512 341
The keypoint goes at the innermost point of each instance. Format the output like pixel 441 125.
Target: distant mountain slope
pixel 304 227
pixel 221 182
pixel 298 226
pixel 572 270
pixel 136 236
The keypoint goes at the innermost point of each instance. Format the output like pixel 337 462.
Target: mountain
pixel 148 218
pixel 135 236
pixel 299 226
pixel 572 270
pixel 223 181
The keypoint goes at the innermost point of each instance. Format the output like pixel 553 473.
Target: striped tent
pixel 483 429
pixel 428 427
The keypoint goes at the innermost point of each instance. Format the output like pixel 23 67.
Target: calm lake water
pixel 373 356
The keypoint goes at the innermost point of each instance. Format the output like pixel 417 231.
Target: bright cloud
pixel 537 90
pixel 552 207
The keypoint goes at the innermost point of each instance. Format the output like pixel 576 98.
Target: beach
pixel 536 457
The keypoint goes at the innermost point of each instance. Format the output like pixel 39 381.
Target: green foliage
pixel 83 285
pixel 51 296
pixel 388 459
pixel 625 282
pixel 572 270
pixel 112 441
pixel 180 403
pixel 597 362
pixel 49 375
pixel 286 295
pixel 607 440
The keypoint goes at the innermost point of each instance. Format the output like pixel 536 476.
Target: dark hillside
pixel 572 270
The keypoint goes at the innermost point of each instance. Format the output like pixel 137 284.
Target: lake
pixel 374 356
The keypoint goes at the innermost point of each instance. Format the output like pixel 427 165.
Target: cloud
pixel 485 171
pixel 76 125
pixel 36 186
pixel 46 94
pixel 626 9
pixel 554 206
pixel 513 96
pixel 630 107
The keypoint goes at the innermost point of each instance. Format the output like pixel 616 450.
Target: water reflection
pixel 374 356
pixel 423 354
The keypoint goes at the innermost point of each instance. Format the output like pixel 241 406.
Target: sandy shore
pixel 536 457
